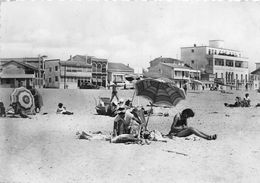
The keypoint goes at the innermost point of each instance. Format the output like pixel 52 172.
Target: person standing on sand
pixel 114 92
pixel 180 128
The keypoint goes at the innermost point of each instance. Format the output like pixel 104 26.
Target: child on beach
pixel 180 128
pixel 62 110
pixel 246 102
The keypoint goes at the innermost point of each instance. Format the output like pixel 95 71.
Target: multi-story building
pixel 226 64
pixel 117 72
pixel 67 74
pixel 172 69
pixel 35 62
pixel 99 68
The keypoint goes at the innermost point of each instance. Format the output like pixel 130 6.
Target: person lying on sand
pixel 62 110
pixel 180 128
pixel 236 104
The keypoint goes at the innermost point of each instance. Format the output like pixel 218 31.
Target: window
pixel 56 78
pixel 94 67
pixel 49 80
pixel 229 63
pixel 221 75
pixel 56 68
pixel 192 61
pixel 99 68
pixel 50 69
pixel 192 50
pixel 241 77
pixel 216 75
pixel 219 62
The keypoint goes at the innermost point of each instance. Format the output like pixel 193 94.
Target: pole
pixel 148 116
pixel 65 76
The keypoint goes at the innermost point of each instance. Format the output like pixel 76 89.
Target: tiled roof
pixel 21 63
pixel 166 60
pixel 75 64
pixel 176 66
pixel 117 67
pixel 257 71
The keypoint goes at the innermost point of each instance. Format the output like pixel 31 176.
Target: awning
pixel 196 81
pixel 14 76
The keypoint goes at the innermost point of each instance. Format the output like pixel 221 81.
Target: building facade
pixel 255 77
pixel 36 62
pixel 172 69
pixel 67 74
pixel 117 72
pixel 226 64
pixel 14 74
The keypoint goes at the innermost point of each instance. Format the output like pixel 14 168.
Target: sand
pixel 45 148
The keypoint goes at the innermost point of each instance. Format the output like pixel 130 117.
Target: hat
pixel 121 110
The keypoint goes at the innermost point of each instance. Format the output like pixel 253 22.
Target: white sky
pixel 128 32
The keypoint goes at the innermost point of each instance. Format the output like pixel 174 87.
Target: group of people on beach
pixel 239 102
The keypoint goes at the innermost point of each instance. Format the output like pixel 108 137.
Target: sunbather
pixel 236 104
pixel 180 128
pixel 62 110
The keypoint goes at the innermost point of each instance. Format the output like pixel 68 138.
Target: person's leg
pixel 189 131
pixel 117 97
pixel 112 96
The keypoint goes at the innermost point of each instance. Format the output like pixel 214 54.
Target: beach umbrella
pixel 24 97
pixel 131 77
pixel 159 92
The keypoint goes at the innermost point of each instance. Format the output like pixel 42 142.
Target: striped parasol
pixel 159 92
pixel 24 97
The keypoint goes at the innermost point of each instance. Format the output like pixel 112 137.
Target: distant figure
pixel 37 99
pixel 114 92
pixel 246 101
pixel 62 110
pixel 180 128
pixel 236 104
pixel 185 88
pixel 246 86
pixel 2 110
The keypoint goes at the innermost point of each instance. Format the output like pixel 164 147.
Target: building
pixel 226 64
pixel 67 74
pixel 117 72
pixel 255 77
pixel 35 62
pixel 14 74
pixel 172 69
pixel 99 68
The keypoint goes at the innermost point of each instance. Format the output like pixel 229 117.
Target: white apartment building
pixel 226 64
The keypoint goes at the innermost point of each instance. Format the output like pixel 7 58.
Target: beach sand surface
pixel 46 149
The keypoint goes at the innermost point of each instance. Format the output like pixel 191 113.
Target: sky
pixel 128 32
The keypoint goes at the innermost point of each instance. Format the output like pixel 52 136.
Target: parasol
pixel 159 92
pixel 24 97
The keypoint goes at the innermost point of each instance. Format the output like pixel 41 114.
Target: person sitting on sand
pixel 62 110
pixel 119 122
pixel 246 101
pixel 180 128
pixel 236 104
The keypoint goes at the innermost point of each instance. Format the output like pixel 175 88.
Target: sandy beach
pixel 45 148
